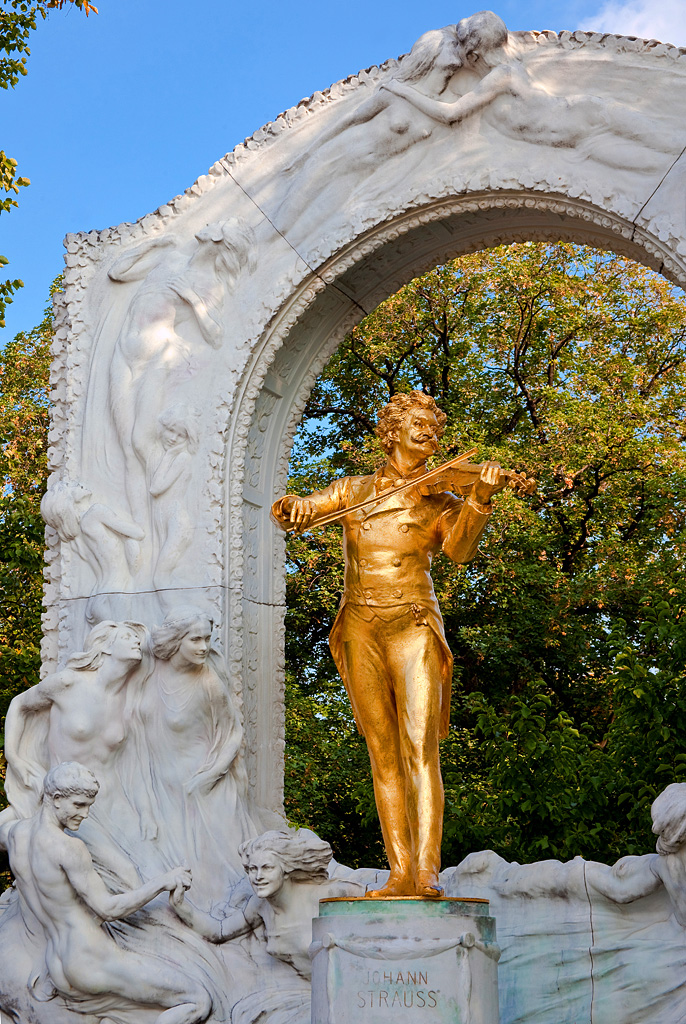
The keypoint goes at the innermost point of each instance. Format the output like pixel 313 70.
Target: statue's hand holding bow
pixel 300 511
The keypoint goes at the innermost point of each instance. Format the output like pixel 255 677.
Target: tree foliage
pixel 24 412
pixel 18 19
pixel 567 712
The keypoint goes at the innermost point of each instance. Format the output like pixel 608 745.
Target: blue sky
pixel 122 111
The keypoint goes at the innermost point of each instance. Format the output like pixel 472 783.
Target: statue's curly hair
pixel 302 854
pixel 392 415
pixel 70 779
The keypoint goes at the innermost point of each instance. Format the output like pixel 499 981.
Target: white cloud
pixel 649 19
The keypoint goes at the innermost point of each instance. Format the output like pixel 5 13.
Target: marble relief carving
pixel 80 713
pixel 105 541
pixel 153 724
pixel 192 746
pixel 288 874
pixel 530 111
pixel 611 938
pixel 381 126
pixel 62 893
pixel 185 348
pixel 461 91
pixel 145 418
pixel 169 487
pixel 176 310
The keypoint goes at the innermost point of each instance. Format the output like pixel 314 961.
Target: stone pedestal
pixel 404 959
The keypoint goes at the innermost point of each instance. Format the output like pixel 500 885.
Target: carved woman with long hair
pixel 176 312
pixel 192 738
pixel 82 713
pixel 599 128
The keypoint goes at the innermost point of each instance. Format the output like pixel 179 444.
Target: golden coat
pixel 388 552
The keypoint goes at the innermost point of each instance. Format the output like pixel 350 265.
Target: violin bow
pixel 396 489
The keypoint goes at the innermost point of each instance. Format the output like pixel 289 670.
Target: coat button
pixel 397 593
pixel 397 562
pixel 403 528
pixel 367 594
pixel 366 526
pixel 363 562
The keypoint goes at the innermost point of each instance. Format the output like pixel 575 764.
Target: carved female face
pixel 172 436
pixel 126 645
pixel 195 645
pixel 266 874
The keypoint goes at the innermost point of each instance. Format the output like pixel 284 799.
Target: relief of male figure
pixel 58 884
pixel 388 640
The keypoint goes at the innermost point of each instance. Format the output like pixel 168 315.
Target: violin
pixel 460 475
pixel 456 474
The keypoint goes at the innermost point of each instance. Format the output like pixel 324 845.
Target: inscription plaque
pixel 404 959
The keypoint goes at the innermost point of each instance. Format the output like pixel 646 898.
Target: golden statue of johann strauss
pixel 388 640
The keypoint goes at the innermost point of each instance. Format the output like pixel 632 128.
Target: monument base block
pixel 404 959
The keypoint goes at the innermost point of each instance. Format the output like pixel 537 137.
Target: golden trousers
pixel 394 667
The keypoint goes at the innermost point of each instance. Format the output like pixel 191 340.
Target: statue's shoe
pixel 393 887
pixel 428 887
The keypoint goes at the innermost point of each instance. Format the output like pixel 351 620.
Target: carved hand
pixel 183 290
pixel 500 80
pixel 177 881
pixel 176 897
pixel 396 87
pixel 489 483
pixel 301 512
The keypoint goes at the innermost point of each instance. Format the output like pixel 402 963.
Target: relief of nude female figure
pixel 178 297
pixel 381 127
pixel 604 130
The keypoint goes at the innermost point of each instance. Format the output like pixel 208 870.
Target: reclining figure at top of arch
pixel 475 80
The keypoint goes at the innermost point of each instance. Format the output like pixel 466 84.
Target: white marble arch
pixel 454 188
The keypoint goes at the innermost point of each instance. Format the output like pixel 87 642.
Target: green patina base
pixel 402 959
